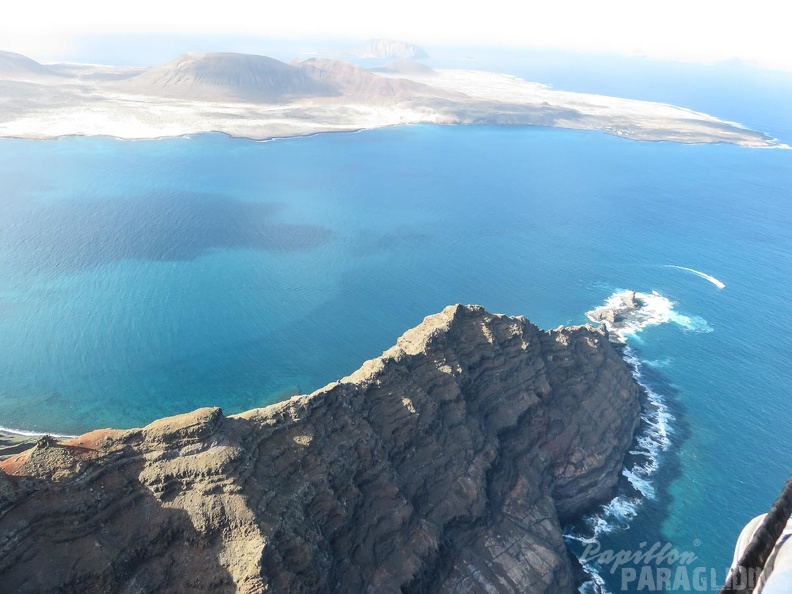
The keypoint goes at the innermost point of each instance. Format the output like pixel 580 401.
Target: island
pixel 261 98
pixel 448 464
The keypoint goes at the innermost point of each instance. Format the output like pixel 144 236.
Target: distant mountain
pixel 13 66
pixel 259 97
pixel 389 48
pixel 228 76
pixel 258 79
pixel 351 80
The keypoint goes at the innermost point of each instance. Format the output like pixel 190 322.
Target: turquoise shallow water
pixel 141 279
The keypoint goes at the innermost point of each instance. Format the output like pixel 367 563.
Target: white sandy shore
pixel 639 120
pixel 154 117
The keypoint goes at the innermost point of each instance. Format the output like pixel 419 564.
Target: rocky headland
pixel 627 312
pixel 620 311
pixel 448 464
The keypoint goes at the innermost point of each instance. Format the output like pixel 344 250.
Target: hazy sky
pixel 699 30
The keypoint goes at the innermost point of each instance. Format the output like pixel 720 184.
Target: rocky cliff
pixel 445 465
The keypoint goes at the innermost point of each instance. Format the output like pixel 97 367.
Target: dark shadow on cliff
pixel 646 526
pixel 107 531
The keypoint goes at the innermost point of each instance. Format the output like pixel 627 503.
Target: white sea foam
pixel 654 437
pixel 24 433
pixel 703 275
pixel 655 433
pixel 653 311
pixel 596 585
pixel 658 364
pixel 776 144
pixel 642 482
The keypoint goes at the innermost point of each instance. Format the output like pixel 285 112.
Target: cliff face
pixel 442 466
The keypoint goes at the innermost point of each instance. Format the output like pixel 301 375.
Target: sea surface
pixel 149 278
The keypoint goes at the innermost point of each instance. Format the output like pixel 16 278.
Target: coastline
pixel 51 108
pixel 14 443
pixel 625 314
pixel 340 459
pixel 772 143
pixel 651 439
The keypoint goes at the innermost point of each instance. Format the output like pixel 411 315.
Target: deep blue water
pixel 142 279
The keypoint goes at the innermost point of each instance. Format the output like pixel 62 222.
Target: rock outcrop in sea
pixel 448 464
pixel 620 312
pixel 389 48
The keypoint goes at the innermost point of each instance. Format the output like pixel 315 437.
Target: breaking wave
pixel 24 433
pixel 633 312
pixel 649 309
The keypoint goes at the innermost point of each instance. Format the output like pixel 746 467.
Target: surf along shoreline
pixel 624 314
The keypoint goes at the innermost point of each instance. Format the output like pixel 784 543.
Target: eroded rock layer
pixel 445 465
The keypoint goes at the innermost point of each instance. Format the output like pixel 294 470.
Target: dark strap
pixel 762 543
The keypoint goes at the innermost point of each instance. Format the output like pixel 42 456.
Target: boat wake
pixel 703 275
pixel 625 314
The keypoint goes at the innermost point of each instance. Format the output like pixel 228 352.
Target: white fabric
pixel 776 578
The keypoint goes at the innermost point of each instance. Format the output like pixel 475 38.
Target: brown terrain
pixel 448 464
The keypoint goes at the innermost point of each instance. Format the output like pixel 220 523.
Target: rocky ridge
pixel 227 76
pixel 13 66
pixel 448 464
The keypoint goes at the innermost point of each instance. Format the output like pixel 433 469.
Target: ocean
pixel 148 278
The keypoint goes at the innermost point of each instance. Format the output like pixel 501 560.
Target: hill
pixel 17 66
pixel 351 80
pixel 227 76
